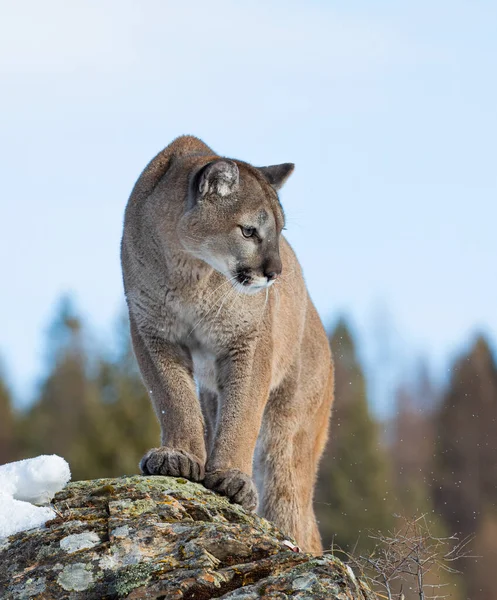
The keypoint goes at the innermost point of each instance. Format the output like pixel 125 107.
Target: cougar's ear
pixel 219 177
pixel 276 175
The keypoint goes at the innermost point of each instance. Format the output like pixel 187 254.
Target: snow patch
pixel 16 515
pixel 25 483
pixel 35 480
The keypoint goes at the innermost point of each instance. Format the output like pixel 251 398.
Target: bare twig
pixel 409 554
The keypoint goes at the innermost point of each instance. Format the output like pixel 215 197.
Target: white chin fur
pixel 250 290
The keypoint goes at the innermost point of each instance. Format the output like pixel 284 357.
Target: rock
pixel 162 537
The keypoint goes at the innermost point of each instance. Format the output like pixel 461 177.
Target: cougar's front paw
pixel 175 463
pixel 238 486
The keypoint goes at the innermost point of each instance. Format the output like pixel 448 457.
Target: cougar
pixel 229 344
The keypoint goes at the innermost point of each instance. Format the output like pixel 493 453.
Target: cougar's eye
pixel 248 232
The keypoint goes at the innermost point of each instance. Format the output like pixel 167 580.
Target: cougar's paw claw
pixel 238 486
pixel 175 463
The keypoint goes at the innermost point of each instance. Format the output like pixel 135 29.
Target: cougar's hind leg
pixel 289 479
pixel 289 457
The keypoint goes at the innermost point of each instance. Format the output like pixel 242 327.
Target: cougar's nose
pixel 271 275
pixel 272 268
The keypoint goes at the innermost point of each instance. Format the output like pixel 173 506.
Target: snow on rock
pixel 25 483
pixel 16 515
pixel 35 480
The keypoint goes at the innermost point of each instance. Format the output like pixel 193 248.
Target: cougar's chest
pixel 205 369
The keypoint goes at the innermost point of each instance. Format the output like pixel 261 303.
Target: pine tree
pixel 353 494
pixel 7 435
pixel 465 465
pixel 466 449
pixel 62 419
pixel 412 443
pixel 411 447
pixel 129 426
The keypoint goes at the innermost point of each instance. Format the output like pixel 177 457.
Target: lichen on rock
pixel 160 537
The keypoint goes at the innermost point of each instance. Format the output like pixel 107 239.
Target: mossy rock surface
pixel 161 537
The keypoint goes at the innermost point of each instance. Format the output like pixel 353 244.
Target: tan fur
pixel 258 351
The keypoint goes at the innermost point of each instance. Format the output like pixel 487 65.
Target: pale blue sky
pixel 389 111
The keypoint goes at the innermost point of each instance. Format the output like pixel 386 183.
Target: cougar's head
pixel 233 221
